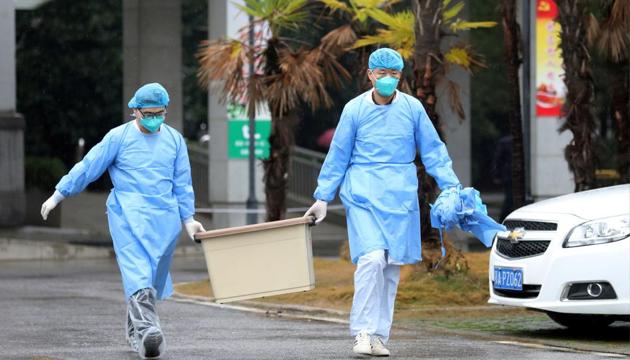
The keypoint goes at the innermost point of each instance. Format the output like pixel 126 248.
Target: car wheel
pixel 581 321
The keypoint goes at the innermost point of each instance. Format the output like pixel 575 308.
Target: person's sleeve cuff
pixel 189 220
pixel 57 196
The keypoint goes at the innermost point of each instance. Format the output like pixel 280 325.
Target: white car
pixel 568 256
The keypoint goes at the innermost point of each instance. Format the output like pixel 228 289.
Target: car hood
pixel 592 204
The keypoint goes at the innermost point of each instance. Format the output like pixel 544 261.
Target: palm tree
pixel 579 119
pixel 511 40
pixel 287 76
pixel 612 38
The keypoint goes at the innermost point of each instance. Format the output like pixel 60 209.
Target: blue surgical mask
pixel 152 123
pixel 386 85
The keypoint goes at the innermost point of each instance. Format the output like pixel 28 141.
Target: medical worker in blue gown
pixel 152 196
pixel 372 158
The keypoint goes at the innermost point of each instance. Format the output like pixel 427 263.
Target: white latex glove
pixel 192 227
pixel 51 203
pixel 318 210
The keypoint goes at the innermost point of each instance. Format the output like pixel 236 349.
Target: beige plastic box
pixel 259 260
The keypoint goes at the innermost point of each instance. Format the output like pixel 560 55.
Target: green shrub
pixel 43 173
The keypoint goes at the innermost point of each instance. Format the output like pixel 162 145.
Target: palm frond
pixel 361 8
pixel 459 57
pixel 459 25
pixel 614 44
pixel 300 79
pixel 220 60
pixel 454 99
pixel 389 38
pixel 336 5
pixel 367 41
pixel 222 69
pixel 361 15
pixel 620 14
pixel 449 14
pixel 614 34
pixel 462 55
pixel 592 30
pixel 251 8
pixel 372 4
pixel 327 58
pixel 398 34
pixel 402 21
pixel 279 14
pixel 338 41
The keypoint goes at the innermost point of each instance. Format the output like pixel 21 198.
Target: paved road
pixel 75 310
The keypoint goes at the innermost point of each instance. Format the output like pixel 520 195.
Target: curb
pixel 298 312
pixel 20 249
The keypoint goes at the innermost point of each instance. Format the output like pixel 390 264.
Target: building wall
pixel 12 198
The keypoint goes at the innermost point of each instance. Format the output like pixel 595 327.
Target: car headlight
pixel 599 231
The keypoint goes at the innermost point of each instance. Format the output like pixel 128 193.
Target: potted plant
pixel 41 174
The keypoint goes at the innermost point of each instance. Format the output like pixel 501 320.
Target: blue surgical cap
pixel 149 95
pixel 386 58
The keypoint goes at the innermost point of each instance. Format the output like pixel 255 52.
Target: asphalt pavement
pixel 75 309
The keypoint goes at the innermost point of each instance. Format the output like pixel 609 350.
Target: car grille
pixel 528 292
pixel 521 248
pixel 530 225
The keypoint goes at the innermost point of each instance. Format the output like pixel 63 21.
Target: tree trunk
pixel 572 16
pixel 427 55
pixel 511 41
pixel 427 67
pixel 621 117
pixel 281 141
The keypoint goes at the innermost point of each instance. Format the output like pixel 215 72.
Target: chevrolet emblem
pixel 516 235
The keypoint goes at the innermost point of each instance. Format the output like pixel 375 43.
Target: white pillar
pixel 550 171
pixel 7 56
pixel 152 51
pixel 12 198
pixel 227 177
pixel 456 130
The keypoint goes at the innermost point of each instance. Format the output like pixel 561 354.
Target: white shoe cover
pixel 362 344
pixel 378 348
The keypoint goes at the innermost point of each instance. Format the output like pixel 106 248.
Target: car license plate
pixel 508 278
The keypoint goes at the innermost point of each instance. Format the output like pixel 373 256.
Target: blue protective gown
pixel 371 157
pixel 152 195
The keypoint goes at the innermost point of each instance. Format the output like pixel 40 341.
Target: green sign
pixel 238 138
pixel 238 134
